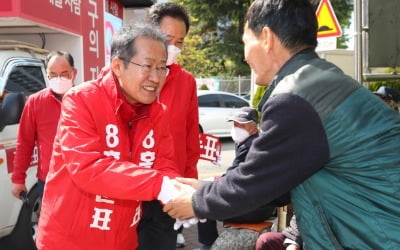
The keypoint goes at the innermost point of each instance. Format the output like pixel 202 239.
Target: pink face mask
pixel 60 85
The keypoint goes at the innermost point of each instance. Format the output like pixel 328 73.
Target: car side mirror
pixel 11 109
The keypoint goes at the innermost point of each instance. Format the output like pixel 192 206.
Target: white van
pixel 22 73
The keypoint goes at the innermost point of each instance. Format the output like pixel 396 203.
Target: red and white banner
pixel 210 148
pixel 80 17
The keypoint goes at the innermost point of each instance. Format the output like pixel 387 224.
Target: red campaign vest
pixel 108 156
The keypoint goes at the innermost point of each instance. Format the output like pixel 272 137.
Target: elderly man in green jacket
pixel 327 140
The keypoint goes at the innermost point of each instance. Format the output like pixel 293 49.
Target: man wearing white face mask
pixel 244 131
pixel 180 98
pixel 39 119
pixel 242 231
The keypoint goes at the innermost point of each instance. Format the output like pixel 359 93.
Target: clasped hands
pixel 177 194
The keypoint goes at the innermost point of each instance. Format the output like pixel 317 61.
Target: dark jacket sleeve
pixel 291 147
pixel 259 214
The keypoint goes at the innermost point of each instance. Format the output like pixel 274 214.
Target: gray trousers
pixel 237 239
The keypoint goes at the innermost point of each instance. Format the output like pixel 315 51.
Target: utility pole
pixel 358 41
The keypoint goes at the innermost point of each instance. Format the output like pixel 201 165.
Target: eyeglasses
pixel 146 69
pixel 65 75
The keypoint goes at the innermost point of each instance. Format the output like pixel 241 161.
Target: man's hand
pixel 16 189
pixel 194 183
pixel 180 207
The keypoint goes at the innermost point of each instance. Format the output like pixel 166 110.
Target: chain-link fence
pixel 240 85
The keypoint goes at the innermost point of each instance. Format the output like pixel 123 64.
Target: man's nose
pixel 154 76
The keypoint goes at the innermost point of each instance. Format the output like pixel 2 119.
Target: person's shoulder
pixel 180 81
pixel 40 95
pixel 189 76
pixel 87 91
pixel 250 140
pixel 179 70
pixel 187 73
pixel 88 86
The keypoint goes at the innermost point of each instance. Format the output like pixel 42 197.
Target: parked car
pixel 215 108
pixel 247 97
pixel 22 73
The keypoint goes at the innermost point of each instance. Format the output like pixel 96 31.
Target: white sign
pixel 326 43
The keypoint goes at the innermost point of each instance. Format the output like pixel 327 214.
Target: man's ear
pixel 117 65
pixel 267 36
pixel 75 71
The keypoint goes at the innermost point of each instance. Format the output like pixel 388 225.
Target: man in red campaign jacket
pixel 179 95
pixel 38 123
pixel 112 150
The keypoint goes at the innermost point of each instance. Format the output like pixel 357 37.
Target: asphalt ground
pixel 207 171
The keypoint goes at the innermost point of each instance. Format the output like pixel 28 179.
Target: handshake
pixel 176 195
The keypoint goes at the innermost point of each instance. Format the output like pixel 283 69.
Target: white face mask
pixel 60 85
pixel 173 53
pixel 239 134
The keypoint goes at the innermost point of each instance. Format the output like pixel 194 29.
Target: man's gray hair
pixel 122 43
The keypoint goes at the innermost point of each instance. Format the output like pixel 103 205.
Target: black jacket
pixel 259 214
